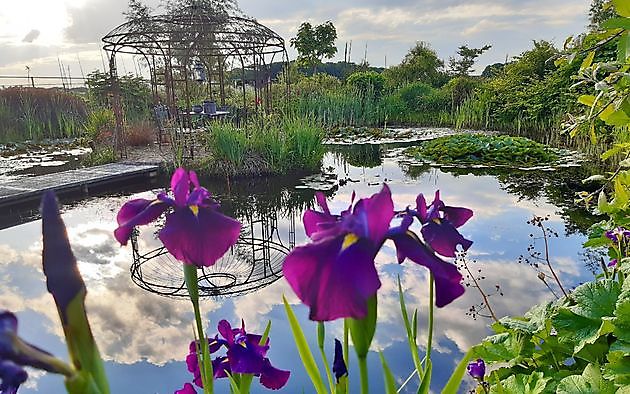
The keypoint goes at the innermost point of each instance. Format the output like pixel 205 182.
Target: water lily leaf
pixel 590 382
pixel 524 384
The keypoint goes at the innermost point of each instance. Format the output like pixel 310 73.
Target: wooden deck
pixel 27 189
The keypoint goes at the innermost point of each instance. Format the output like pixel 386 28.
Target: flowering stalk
pixel 190 275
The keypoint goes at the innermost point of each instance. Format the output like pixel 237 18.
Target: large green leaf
pixel 618 368
pixel 590 382
pixel 622 7
pixel 617 23
pixel 304 350
pixel 591 314
pixel 622 313
pixel 510 347
pixel 523 384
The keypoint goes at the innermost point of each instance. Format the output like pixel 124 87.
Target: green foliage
pixel 369 83
pixel 267 146
pixel 314 43
pixel 135 94
pixel 531 351
pixel 420 64
pixel 98 157
pixel 484 149
pixel 36 113
pixel 462 66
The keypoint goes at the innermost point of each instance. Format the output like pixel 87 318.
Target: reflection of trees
pixel 558 187
pixel 363 155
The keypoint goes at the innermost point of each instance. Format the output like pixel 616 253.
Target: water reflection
pixel 144 337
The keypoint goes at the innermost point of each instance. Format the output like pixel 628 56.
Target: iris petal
pixel 245 359
pixel 447 277
pixel 187 389
pixel 457 216
pixel 11 376
pixel 334 283
pixel 135 213
pixel 180 185
pixel 378 211
pixel 199 239
pixel 314 220
pixel 273 378
pixel 444 238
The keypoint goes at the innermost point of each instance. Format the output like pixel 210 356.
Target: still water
pixel 144 337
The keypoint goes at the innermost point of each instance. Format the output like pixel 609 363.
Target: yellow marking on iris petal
pixel 437 221
pixel 194 209
pixel 349 240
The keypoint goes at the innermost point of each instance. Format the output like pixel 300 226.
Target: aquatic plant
pixel 484 149
pixel 268 146
pixel 36 113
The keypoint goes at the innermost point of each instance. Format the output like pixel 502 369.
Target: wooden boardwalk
pixel 26 190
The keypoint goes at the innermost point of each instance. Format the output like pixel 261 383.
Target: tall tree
pixel 315 43
pixel 420 64
pixel 462 66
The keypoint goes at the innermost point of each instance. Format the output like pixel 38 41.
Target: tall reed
pixel 36 113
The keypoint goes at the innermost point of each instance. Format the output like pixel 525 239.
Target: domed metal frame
pixel 177 46
pixel 253 263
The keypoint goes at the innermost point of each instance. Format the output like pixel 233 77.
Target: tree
pixel 599 13
pixel 420 64
pixel 462 66
pixel 137 10
pixel 315 43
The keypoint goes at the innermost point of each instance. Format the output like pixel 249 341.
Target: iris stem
pixel 190 275
pixel 346 349
pixel 321 336
pixel 430 323
pixel 363 369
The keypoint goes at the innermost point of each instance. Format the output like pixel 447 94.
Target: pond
pixel 144 337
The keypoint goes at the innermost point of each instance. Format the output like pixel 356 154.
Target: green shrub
pixel 368 83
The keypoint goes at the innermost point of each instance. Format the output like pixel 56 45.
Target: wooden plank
pixel 24 189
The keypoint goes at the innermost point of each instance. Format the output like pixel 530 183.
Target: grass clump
pixel 265 146
pixel 484 149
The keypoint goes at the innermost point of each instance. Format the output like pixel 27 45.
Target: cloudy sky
pixel 36 33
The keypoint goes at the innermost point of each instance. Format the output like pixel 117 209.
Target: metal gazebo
pixel 195 48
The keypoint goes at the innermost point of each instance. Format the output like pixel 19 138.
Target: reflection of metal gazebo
pixel 195 47
pixel 253 263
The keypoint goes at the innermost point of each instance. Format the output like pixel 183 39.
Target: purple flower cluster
pixel 195 232
pixel 244 355
pixel 335 274
pixel 618 234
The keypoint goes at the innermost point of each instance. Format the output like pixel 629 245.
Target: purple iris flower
pixel 339 365
pixel 11 376
pixel 244 355
pixel 612 263
pixel 335 275
pixel 477 369
pixel 617 234
pixel 439 232
pixel 440 223
pixel 194 233
pixel 187 389
pixel 16 353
